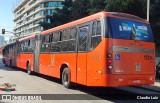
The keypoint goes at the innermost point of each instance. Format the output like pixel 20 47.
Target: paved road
pixel 39 84
pixel 35 84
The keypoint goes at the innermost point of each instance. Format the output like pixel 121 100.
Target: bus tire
pixel 66 78
pixel 29 72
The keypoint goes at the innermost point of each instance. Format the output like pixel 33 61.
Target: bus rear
pixel 130 53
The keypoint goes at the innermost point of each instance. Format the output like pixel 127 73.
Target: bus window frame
pixel 101 36
pixel 69 39
pixel 133 20
pixel 87 40
pixel 25 42
pixel 60 33
pixel 32 44
pixel 44 42
pixel 61 40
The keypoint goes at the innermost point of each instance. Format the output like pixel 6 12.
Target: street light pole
pixel 148 4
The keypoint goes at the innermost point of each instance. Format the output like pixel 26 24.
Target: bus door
pixel 82 55
pixel 36 54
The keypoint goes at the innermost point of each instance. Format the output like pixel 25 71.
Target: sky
pixel 7 16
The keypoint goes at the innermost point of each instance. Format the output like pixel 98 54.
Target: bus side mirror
pixel 3 31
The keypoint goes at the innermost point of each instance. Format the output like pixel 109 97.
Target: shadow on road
pixel 101 93
pixel 96 93
pixel 6 68
pixel 48 78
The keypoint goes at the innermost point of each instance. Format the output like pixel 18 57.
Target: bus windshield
pixel 130 30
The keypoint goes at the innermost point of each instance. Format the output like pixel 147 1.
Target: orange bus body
pixel 91 68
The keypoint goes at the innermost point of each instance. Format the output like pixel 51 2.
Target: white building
pixel 28 13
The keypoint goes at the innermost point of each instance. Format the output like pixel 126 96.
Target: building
pixel 28 14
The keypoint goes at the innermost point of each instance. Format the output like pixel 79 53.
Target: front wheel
pixel 66 78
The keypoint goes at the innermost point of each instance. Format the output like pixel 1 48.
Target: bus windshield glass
pixel 130 30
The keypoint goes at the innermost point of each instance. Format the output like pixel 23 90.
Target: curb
pixel 157 84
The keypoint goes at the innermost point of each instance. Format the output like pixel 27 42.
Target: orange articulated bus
pixel 104 49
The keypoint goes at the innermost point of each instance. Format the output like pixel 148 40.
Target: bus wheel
pixel 29 69
pixel 66 78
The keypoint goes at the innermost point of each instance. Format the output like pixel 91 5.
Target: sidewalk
pixel 155 86
pixel 157 83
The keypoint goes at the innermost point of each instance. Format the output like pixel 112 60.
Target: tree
pixel 96 6
pixel 155 20
pixel 134 7
pixel 62 16
pixel 116 5
pixel 79 9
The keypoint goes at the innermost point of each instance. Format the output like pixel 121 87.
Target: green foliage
pixel 79 9
pixel 134 7
pixel 155 20
pixel 96 6
pixel 116 5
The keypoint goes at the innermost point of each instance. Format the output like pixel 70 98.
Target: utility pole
pixel 148 4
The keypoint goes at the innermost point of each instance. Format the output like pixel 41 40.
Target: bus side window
pixel 26 46
pixel 29 42
pixel 56 37
pixel 45 43
pixel 22 46
pixel 47 38
pixel 96 34
pixel 31 45
pixel 18 47
pixel 56 42
pixel 72 40
pixel 66 34
pixel 69 39
pixel 83 38
pixel 51 37
pixel 65 38
pixel 43 39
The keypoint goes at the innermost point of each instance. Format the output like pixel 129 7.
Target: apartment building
pixel 28 14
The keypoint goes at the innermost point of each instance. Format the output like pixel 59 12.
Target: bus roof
pixel 127 16
pixel 77 22
pixel 27 37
